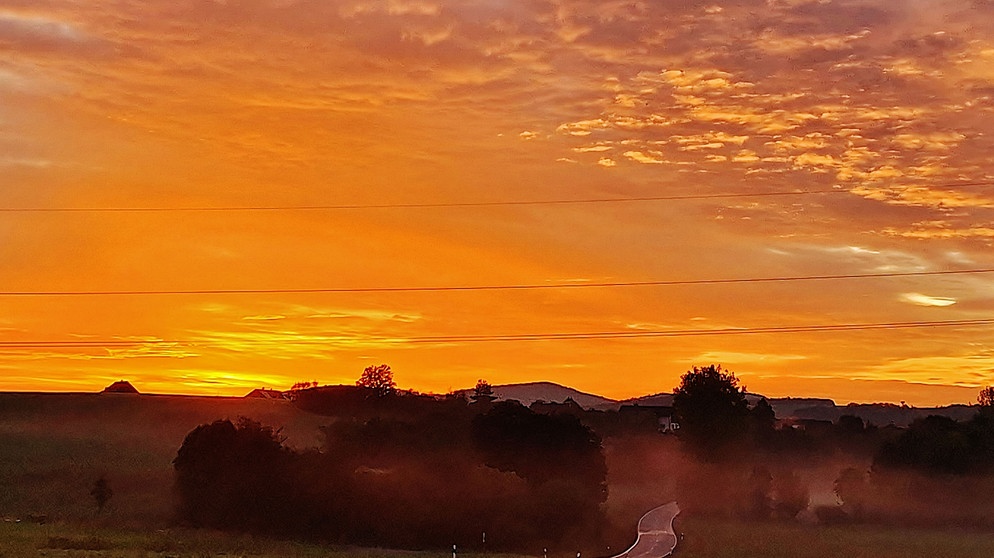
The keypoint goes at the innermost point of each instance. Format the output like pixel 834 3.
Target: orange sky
pixel 288 103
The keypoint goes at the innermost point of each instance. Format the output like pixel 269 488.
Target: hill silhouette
pixel 530 392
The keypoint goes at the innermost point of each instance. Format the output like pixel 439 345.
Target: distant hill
pixel 882 414
pixel 654 400
pixel 531 392
pixel 120 386
pixel 789 406
pixel 665 399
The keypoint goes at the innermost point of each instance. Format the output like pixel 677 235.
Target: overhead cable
pixel 559 336
pixel 511 287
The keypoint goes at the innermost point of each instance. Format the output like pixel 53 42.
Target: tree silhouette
pixel 234 476
pixel 986 397
pixel 934 444
pixel 538 448
pixel 790 494
pixel 759 498
pixel 764 422
pixel 852 490
pixel 483 392
pixel 101 492
pixel 378 378
pixel 711 409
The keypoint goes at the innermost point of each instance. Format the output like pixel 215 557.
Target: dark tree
pixel 712 410
pixel 935 444
pixel 483 392
pixel 852 489
pixel 986 397
pixel 790 494
pixel 407 480
pixel 560 459
pixel 537 448
pixel 759 497
pixel 378 378
pixel 101 492
pixel 850 425
pixel 234 477
pixel 764 421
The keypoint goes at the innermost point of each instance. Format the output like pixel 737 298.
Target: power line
pixel 427 205
pixel 532 286
pixel 705 332
pixel 560 336
pixel 416 205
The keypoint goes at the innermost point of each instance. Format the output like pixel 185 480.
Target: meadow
pixel 53 447
pixel 27 540
pixel 717 538
pixel 708 538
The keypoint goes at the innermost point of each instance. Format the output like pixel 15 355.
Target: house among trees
pixel 660 414
pixel 120 386
pixel 266 393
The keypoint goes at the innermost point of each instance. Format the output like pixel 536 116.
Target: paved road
pixel 656 538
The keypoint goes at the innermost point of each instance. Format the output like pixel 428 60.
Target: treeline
pixel 494 477
pixel 936 471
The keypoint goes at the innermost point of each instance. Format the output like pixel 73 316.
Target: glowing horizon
pixel 883 112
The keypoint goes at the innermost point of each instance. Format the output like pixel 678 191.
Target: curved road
pixel 656 538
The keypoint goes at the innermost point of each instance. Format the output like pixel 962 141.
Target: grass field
pixel 736 539
pixel 703 539
pixel 53 447
pixel 26 540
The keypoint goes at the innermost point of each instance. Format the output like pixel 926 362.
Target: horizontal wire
pixel 705 332
pixel 415 205
pixel 533 286
pixel 520 337
pixel 425 205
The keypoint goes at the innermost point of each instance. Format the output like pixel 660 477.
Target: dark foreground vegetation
pixel 507 479
pixel 371 465
pixel 936 472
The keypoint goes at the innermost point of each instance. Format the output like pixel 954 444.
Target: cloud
pixel 646 159
pixel 942 233
pixel 919 299
pixel 968 369
pixel 32 32
pixel 736 358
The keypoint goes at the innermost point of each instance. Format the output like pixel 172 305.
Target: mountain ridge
pixel 797 408
pixel 529 392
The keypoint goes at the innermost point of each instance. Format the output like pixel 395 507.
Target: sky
pixel 349 146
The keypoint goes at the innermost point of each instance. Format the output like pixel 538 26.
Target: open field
pixel 24 540
pixel 704 539
pixel 53 447
pixel 737 539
